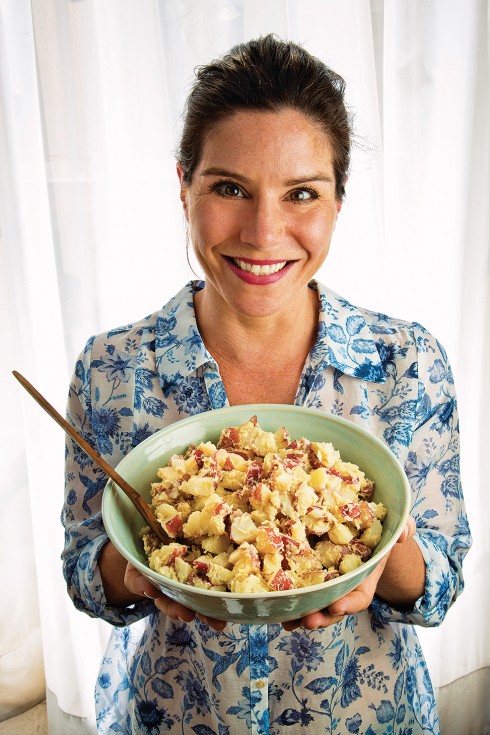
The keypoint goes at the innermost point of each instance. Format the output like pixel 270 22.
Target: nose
pixel 263 224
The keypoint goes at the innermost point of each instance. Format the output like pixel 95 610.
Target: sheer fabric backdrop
pixel 92 236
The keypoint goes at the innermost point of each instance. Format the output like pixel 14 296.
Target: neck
pixel 233 337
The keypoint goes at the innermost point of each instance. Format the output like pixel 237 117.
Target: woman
pixel 262 165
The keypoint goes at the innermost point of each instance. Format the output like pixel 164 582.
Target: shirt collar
pixel 345 339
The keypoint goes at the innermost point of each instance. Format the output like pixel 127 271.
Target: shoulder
pixel 130 338
pixel 139 350
pixel 401 341
pixel 124 339
pixel 382 326
pixel 398 343
pixel 109 360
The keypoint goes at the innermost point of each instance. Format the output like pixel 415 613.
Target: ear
pixel 183 188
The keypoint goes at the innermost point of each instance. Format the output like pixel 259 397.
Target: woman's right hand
pixel 138 584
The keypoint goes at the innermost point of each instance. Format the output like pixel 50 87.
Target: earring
pixel 187 247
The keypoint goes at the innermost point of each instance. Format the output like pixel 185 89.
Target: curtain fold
pixel 92 236
pixel 436 175
pixel 33 444
pixel 21 655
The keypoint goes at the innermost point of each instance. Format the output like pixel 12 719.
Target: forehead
pixel 249 138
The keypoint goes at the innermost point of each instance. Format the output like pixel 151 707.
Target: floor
pixel 32 722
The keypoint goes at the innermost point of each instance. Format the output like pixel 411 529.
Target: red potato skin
pixel 173 526
pixel 281 581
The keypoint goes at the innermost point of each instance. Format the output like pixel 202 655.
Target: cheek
pixel 317 233
pixel 208 226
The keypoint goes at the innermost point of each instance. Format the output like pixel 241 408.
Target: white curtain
pixel 91 236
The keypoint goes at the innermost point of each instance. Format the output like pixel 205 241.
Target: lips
pixel 264 268
pixel 259 272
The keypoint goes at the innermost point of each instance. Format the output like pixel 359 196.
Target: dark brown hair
pixel 266 74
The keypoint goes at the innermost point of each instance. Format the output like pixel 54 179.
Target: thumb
pixel 408 531
pixel 138 584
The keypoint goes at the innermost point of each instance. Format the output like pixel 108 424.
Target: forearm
pixel 112 567
pixel 402 582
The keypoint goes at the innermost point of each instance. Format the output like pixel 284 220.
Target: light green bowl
pixel 123 522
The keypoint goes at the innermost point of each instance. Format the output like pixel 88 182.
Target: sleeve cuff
pixel 442 586
pixel 87 591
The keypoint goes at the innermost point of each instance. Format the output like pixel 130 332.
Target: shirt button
pixel 260 683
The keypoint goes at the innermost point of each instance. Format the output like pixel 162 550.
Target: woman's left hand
pixel 359 599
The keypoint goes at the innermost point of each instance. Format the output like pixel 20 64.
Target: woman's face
pixel 261 209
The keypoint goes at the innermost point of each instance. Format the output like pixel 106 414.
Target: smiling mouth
pixel 259 270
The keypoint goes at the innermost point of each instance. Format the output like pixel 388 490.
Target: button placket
pixel 259 684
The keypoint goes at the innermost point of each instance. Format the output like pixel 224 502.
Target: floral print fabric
pixel 364 675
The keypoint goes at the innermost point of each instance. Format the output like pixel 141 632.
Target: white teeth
pixel 259 270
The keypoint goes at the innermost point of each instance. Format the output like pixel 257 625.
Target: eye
pixel 302 195
pixel 227 189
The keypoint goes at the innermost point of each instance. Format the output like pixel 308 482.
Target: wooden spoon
pixel 139 503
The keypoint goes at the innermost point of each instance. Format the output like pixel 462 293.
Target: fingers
pixel 176 611
pixel 408 531
pixel 173 609
pixel 356 601
pixel 359 599
pixel 139 584
pixel 320 619
pixel 212 622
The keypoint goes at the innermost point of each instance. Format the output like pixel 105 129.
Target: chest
pixel 128 413
pixel 262 383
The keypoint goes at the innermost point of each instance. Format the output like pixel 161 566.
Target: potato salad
pixel 260 512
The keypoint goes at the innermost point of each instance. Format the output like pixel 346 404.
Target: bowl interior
pixel 123 523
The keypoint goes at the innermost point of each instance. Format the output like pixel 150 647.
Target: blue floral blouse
pixel 363 675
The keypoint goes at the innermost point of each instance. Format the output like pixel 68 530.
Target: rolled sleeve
pixel 81 515
pixel 432 466
pixel 443 583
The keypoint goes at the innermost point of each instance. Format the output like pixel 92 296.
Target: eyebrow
pixel 217 171
pixel 312 177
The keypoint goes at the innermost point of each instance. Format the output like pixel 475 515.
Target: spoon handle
pixel 143 508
